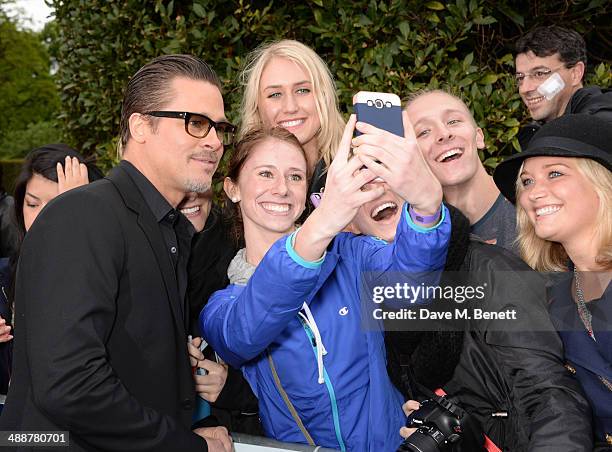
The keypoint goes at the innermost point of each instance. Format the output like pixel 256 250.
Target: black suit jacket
pixel 100 342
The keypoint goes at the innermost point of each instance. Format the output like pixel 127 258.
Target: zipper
pixel 330 389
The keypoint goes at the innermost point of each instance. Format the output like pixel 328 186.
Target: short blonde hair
pixel 448 91
pixel 545 255
pixel 324 89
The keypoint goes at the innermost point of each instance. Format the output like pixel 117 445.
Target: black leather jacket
pixel 513 383
pixel 591 100
pixel 8 230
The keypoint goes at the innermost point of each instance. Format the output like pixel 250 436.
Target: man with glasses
pixel 550 65
pixel 101 348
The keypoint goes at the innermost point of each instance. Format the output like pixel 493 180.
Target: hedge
pixel 395 46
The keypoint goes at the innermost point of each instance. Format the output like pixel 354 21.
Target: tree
pixel 28 94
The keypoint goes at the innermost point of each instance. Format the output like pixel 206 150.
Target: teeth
pixel 547 210
pixel 275 207
pixel 449 153
pixel 535 100
pixel 190 210
pixel 382 207
pixel 295 122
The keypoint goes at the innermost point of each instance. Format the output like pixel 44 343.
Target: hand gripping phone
pixel 382 110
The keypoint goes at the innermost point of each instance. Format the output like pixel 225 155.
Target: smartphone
pixel 382 110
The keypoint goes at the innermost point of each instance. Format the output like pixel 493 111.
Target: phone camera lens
pixel 370 103
pixel 378 103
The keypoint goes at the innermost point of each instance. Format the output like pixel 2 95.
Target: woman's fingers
pixel 71 175
pixel 344 149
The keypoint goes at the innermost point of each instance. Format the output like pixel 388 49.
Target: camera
pixel 378 103
pixel 439 426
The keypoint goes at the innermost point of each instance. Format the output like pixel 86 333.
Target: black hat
pixel 586 136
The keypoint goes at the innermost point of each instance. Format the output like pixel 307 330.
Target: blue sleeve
pixel 240 324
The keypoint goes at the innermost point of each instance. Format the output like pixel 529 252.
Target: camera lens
pixel 378 103
pixel 369 103
pixel 419 442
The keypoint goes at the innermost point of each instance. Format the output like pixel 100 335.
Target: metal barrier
pixel 249 443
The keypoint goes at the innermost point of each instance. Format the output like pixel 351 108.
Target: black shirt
pixel 175 228
pixel 211 253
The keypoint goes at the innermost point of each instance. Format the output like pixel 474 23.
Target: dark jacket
pixel 499 367
pixel 590 100
pixel 6 348
pixel 8 230
pixel 589 359
pixel 211 252
pixel 101 343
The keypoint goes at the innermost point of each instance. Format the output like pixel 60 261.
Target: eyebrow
pixel 535 68
pixel 445 112
pixel 547 166
pixel 223 119
pixel 33 196
pixel 303 82
pixel 276 168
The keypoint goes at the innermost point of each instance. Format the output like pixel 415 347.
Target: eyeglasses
pixel 538 76
pixel 198 125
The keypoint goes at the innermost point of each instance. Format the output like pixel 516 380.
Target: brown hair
pixel 242 151
pixel 149 89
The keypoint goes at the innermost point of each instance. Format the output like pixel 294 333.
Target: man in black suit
pixel 100 348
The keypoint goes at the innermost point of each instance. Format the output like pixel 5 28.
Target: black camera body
pixel 439 426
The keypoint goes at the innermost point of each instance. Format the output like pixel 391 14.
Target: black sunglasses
pixel 198 125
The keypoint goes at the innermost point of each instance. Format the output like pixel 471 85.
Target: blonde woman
pixel 562 184
pixel 287 84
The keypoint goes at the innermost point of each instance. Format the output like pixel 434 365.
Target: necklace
pixel 586 317
pixel 583 311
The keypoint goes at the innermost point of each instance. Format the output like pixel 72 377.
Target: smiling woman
pixel 291 317
pixel 563 188
pixel 287 84
pixel 266 184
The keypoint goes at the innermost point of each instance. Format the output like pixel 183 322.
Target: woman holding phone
pixel 291 317
pixel 562 185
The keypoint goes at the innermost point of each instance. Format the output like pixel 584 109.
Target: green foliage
pixel 10 170
pixel 28 95
pixel 396 46
pixel 18 142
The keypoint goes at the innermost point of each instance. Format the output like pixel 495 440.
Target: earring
pixel 235 200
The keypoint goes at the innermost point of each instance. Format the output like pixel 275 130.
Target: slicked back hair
pixel 150 88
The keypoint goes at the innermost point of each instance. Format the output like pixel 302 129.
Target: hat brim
pixel 506 173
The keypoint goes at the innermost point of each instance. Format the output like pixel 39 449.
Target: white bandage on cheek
pixel 551 87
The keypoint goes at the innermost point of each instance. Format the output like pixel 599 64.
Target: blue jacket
pixel 588 358
pixel 354 407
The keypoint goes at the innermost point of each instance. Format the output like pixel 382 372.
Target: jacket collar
pixel 133 199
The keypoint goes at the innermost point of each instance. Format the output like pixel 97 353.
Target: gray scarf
pixel 239 270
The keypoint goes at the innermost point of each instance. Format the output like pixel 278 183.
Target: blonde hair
pixel 324 89
pixel 545 255
pixel 448 91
